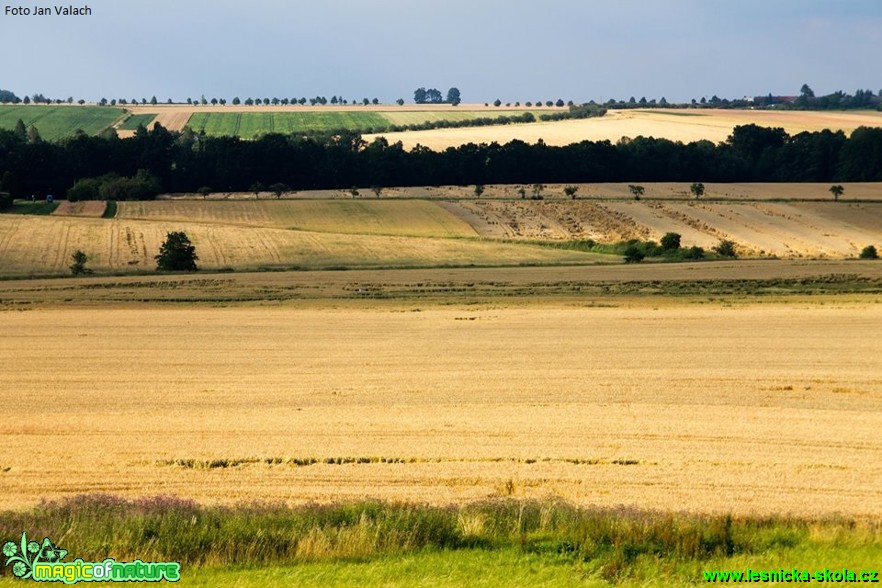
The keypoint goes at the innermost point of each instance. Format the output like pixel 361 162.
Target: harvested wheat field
pixel 677 125
pixel 313 233
pixel 745 408
pixel 411 218
pixel 784 229
pixel 33 245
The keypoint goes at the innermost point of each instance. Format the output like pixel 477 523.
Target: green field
pixel 249 125
pixel 410 117
pixel 57 122
pixel 133 122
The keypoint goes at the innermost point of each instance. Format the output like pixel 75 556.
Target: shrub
pixel 726 248
pixel 694 252
pixel 142 186
pixel 633 254
pixel 84 189
pixel 5 200
pixel 869 252
pixel 78 267
pixel 670 242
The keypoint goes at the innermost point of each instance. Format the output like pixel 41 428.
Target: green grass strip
pixel 133 122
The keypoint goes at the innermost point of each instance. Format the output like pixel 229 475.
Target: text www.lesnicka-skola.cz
pixel 792 575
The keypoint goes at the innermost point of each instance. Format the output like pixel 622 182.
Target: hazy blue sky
pixel 511 49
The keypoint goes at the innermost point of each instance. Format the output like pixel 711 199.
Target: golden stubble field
pixel 677 125
pixel 443 227
pixel 659 403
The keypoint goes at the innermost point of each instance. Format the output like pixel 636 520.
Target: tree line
pixel 161 160
pixel 805 100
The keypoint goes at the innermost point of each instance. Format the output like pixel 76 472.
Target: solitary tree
pixel 837 191
pixel 636 190
pixel 204 191
pixel 177 254
pixel 479 189
pixel 522 192
pixel 537 191
pixel 697 190
pixel 377 190
pixel 400 102
pixel 453 96
pixel 78 267
pixel 571 191
pixel 256 188
pixel 354 191
pixel 277 189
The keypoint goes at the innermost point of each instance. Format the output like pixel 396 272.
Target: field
pixel 249 125
pixel 394 421
pixel 532 385
pixel 783 229
pixel 413 218
pixel 133 122
pixel 431 227
pixel 251 121
pixel 710 125
pixel 58 122
pixel 32 245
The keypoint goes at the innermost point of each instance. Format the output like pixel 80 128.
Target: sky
pixel 514 50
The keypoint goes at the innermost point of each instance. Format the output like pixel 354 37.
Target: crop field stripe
pixel 132 123
pixel 56 122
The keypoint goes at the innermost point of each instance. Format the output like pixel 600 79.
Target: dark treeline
pixel 184 162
